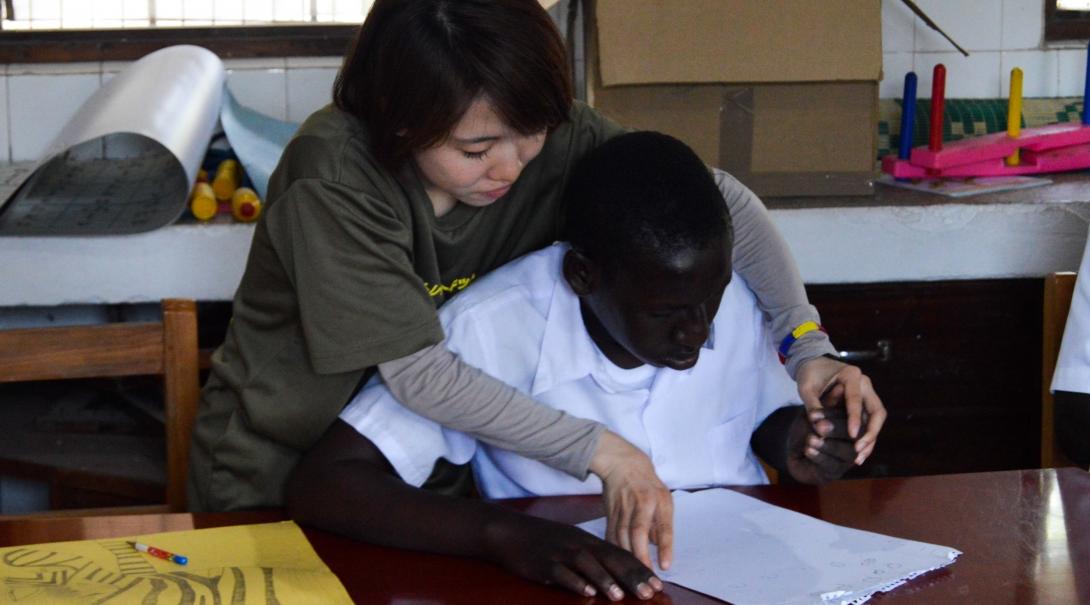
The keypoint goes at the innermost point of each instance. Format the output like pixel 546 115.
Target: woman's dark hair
pixel 417 65
pixel 643 194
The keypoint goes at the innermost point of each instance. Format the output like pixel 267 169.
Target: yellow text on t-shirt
pixel 456 285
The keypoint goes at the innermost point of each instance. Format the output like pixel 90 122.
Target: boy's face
pixel 657 310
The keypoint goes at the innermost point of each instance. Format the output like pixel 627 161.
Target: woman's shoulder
pixel 584 130
pixel 586 122
pixel 330 146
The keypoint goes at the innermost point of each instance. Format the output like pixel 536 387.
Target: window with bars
pixel 22 15
pixel 1067 19
pixel 61 31
pixel 57 31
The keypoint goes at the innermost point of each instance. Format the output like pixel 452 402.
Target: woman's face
pixel 478 162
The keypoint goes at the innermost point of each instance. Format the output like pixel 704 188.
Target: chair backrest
pixel 1059 288
pixel 167 348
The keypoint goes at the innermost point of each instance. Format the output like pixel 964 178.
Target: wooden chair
pixel 167 348
pixel 1059 288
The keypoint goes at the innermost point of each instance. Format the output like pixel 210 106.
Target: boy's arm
pixel 812 447
pixel 345 485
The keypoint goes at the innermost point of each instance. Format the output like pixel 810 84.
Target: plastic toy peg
pixel 245 205
pixel 938 98
pixel 1014 113
pixel 203 202
pixel 1086 89
pixel 228 178
pixel 908 116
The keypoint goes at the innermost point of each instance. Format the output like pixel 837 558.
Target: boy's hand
pixel 819 448
pixel 820 375
pixel 639 507
pixel 563 555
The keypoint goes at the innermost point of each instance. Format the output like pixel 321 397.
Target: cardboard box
pixel 783 94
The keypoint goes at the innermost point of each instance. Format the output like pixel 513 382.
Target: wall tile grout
pixel 287 91
pixel 7 113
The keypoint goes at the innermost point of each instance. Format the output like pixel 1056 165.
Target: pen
pixel 162 554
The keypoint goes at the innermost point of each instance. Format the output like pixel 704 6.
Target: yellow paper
pixel 246 564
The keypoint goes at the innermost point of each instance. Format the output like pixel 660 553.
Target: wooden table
pixel 1025 535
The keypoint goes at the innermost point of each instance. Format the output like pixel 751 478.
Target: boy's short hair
pixel 646 194
pixel 417 65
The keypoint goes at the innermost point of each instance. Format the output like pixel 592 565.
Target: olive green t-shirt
pixel 347 267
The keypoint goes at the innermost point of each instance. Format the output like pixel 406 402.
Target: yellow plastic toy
pixel 245 205
pixel 203 202
pixel 227 180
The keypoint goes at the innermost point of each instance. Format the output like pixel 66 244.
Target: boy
pixel 633 326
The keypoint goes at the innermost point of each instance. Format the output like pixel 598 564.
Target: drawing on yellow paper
pixel 248 564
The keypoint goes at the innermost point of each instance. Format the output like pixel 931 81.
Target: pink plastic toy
pixel 1053 148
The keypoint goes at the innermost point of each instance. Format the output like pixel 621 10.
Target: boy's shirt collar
pixel 567 351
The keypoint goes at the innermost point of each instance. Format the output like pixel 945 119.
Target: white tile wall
pixel 112 68
pixel 895 66
pixel 313 62
pixel 898 27
pixel 974 76
pixel 1023 24
pixel 309 89
pixel 1072 72
pixel 999 35
pixel 260 84
pixel 5 139
pixel 39 104
pixel 54 69
pixel 37 99
pixel 1040 72
pixel 974 24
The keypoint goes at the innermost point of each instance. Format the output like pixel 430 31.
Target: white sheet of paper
pixel 746 551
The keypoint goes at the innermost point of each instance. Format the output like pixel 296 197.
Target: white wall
pixel 37 99
pixel 999 35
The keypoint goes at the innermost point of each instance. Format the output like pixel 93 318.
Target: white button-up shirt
pixel 1073 366
pixel 522 325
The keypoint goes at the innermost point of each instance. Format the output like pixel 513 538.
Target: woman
pixel 444 156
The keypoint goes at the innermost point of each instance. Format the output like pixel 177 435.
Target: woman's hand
pixel 817 376
pixel 639 508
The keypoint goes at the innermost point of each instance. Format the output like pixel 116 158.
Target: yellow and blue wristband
pixel 797 333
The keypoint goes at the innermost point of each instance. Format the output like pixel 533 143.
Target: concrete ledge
pixel 835 243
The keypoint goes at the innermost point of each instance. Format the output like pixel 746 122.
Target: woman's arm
pixel 762 257
pixel 435 383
